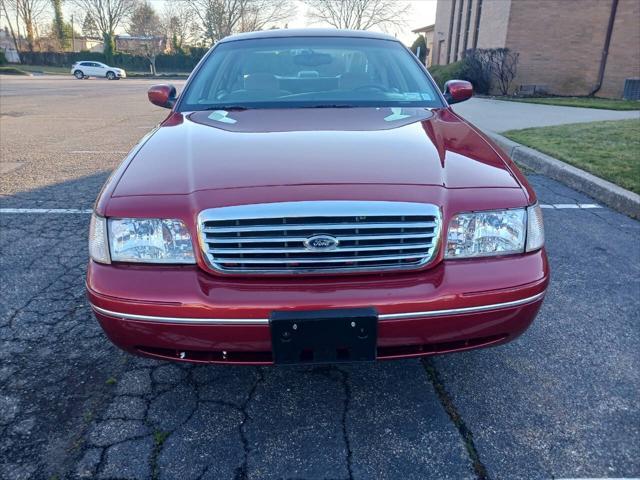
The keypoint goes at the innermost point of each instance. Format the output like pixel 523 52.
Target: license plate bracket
pixel 324 336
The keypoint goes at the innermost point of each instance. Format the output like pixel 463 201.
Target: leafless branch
pixel 107 14
pixel 220 18
pixel 358 14
pixel 28 12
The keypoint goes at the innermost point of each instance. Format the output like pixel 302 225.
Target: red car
pixel 313 198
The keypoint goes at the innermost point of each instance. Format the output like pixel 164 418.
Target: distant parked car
pixel 82 70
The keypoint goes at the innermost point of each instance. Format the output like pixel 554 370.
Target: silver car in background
pixel 87 69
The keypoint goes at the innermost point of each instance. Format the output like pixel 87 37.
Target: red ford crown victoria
pixel 313 198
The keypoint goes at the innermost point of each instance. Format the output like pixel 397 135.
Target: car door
pixel 99 69
pixel 86 68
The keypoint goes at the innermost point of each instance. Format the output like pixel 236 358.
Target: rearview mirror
pixel 162 95
pixel 456 91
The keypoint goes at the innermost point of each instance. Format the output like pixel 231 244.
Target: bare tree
pixel 107 14
pixel 503 66
pixel 358 14
pixel 147 46
pixel 29 12
pixel 219 18
pixel 147 35
pixel 144 21
pixel 178 23
pixel 3 4
pixel 89 27
pixel 261 14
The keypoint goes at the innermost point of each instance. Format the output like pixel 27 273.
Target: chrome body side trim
pixel 265 321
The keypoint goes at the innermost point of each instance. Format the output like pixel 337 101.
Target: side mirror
pixel 162 95
pixel 456 91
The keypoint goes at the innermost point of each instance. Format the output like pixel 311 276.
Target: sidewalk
pixel 494 116
pixel 499 115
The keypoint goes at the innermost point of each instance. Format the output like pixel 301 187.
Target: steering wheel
pixel 371 86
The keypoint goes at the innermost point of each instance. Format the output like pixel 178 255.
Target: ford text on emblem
pixel 321 243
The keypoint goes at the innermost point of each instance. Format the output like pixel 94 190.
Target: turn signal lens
pixel 98 245
pixel 535 228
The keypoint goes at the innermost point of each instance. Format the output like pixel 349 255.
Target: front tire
pixel 78 74
pixel 111 75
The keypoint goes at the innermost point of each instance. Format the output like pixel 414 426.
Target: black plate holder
pixel 324 336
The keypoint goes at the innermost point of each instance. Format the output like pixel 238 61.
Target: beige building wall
pixel 464 12
pixel 492 32
pixel 494 22
pixel 560 42
pixel 441 31
pixel 624 51
pixel 428 38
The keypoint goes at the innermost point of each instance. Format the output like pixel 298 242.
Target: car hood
pixel 295 147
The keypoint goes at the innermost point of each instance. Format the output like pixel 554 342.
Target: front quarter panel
pixel 100 206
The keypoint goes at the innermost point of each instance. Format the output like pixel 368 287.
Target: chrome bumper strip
pixel 265 321
pixel 197 321
pixel 459 311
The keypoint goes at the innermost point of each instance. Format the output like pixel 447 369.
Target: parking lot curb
pixel 612 195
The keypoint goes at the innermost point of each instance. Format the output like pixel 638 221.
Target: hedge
pixel 443 73
pixel 164 62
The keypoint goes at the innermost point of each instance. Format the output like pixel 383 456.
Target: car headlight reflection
pixel 498 232
pixel 140 240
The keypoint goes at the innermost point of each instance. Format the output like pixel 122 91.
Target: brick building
pixel 560 42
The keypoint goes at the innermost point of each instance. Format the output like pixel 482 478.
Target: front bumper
pixel 183 313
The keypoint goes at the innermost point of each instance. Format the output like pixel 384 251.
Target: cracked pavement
pixel 561 401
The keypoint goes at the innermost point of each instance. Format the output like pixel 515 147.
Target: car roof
pixel 307 32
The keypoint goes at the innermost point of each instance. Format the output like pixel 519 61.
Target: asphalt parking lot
pixel 560 402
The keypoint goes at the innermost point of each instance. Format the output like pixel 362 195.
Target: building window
pixel 467 26
pixel 477 25
pixel 458 32
pixel 453 10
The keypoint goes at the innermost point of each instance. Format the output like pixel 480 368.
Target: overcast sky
pixel 422 12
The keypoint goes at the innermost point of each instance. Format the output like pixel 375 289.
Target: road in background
pixel 561 401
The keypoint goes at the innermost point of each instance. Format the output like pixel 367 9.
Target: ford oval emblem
pixel 321 243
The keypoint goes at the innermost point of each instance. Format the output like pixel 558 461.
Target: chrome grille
pixel 282 238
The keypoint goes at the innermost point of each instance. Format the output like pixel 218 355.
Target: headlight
pixel 150 240
pixel 499 232
pixel 486 233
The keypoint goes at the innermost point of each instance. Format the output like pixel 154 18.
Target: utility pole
pixel 73 36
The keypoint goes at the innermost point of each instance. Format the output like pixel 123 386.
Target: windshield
pixel 318 72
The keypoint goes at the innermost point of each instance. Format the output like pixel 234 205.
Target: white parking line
pixel 561 206
pixel 575 206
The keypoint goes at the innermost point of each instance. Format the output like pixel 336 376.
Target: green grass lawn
pixel 45 69
pixel 585 102
pixel 12 71
pixel 610 150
